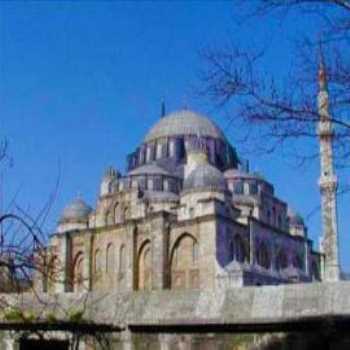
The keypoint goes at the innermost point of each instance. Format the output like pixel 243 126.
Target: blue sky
pixel 81 83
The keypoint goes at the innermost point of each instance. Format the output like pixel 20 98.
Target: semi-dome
pixel 205 177
pixel 78 210
pixel 184 122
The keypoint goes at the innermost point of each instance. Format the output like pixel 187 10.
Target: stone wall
pixel 236 306
pixel 198 341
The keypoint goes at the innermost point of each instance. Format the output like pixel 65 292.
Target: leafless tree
pixel 278 113
pixel 28 269
pixel 22 239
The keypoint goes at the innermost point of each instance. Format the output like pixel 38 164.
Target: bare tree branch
pixel 282 112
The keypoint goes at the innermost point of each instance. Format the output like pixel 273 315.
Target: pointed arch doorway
pixel 144 267
pixel 184 263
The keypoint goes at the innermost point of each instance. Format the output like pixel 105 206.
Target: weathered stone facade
pixel 162 256
pixel 185 216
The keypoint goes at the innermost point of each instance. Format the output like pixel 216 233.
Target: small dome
pixel 205 176
pixel 184 122
pixel 78 210
pixel 294 218
pixel 151 169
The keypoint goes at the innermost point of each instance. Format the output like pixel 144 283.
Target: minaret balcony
pixel 329 182
pixel 325 128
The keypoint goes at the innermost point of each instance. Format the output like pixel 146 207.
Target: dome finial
pixel 162 108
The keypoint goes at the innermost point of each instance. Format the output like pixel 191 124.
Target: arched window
pixel 126 214
pixel 158 183
pixel 253 189
pixel 166 186
pixel 239 187
pixel 273 221
pixel 112 186
pixel 109 217
pixel 165 150
pixel 78 273
pixel 159 153
pixel 149 153
pixel 122 258
pixel 279 221
pixel 172 148
pixel 184 263
pixel 150 184
pixel 142 183
pixel 142 156
pixel 117 214
pixel 239 250
pixel 315 272
pixel 230 185
pixel 110 258
pixel 281 261
pixel 144 264
pixel 175 259
pixel 97 263
pixel 298 261
pixel 181 148
pixel 268 216
pixel 263 256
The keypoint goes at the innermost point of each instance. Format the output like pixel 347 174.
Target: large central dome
pixel 184 122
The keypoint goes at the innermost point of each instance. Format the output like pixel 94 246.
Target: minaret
pixel 328 181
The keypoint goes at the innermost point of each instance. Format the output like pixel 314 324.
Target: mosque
pixel 187 214
pixel 190 217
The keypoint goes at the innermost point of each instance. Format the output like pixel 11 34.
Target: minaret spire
pixel 328 181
